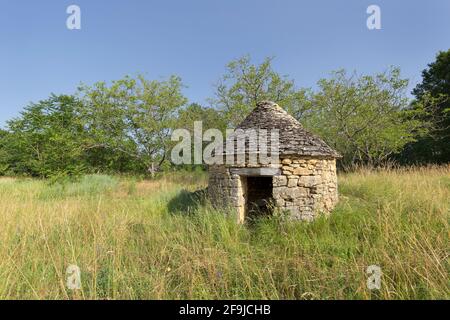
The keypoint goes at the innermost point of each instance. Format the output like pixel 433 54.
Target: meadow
pixel 148 239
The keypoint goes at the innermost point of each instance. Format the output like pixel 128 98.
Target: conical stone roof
pixel 293 138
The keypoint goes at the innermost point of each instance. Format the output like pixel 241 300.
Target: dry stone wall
pixel 304 187
pixel 226 190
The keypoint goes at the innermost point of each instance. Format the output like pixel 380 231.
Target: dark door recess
pixel 258 196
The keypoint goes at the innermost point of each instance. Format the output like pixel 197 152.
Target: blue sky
pixel 197 38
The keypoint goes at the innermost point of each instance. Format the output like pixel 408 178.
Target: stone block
pixel 279 181
pixel 302 171
pixel 309 181
pixel 290 194
pixel 292 182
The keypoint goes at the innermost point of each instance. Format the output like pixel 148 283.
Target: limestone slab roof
pixel 293 138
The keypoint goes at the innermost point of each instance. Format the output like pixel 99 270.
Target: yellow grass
pixel 148 240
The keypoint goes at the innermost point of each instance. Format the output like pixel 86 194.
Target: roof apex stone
pixel 294 139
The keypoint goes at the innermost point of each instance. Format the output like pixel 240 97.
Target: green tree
pixel 132 118
pixel 46 138
pixel 4 154
pixel 363 117
pixel 210 118
pixel 246 84
pixel 433 96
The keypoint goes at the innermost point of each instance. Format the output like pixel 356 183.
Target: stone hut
pixel 301 183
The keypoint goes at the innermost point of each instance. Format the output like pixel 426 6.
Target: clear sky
pixel 195 39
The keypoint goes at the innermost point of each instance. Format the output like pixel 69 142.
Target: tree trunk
pixel 152 170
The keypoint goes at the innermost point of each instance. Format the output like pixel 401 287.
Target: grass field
pixel 146 240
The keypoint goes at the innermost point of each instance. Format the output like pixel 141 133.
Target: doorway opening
pixel 258 197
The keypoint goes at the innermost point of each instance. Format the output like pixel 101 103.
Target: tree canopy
pixel 125 126
pixel 245 84
pixel 132 118
pixel 46 138
pixel 364 117
pixel 433 97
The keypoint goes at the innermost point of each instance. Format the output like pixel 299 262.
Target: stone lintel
pixel 263 172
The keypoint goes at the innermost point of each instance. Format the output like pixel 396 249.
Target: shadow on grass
pixel 186 202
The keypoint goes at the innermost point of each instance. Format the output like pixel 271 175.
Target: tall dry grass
pixel 147 240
